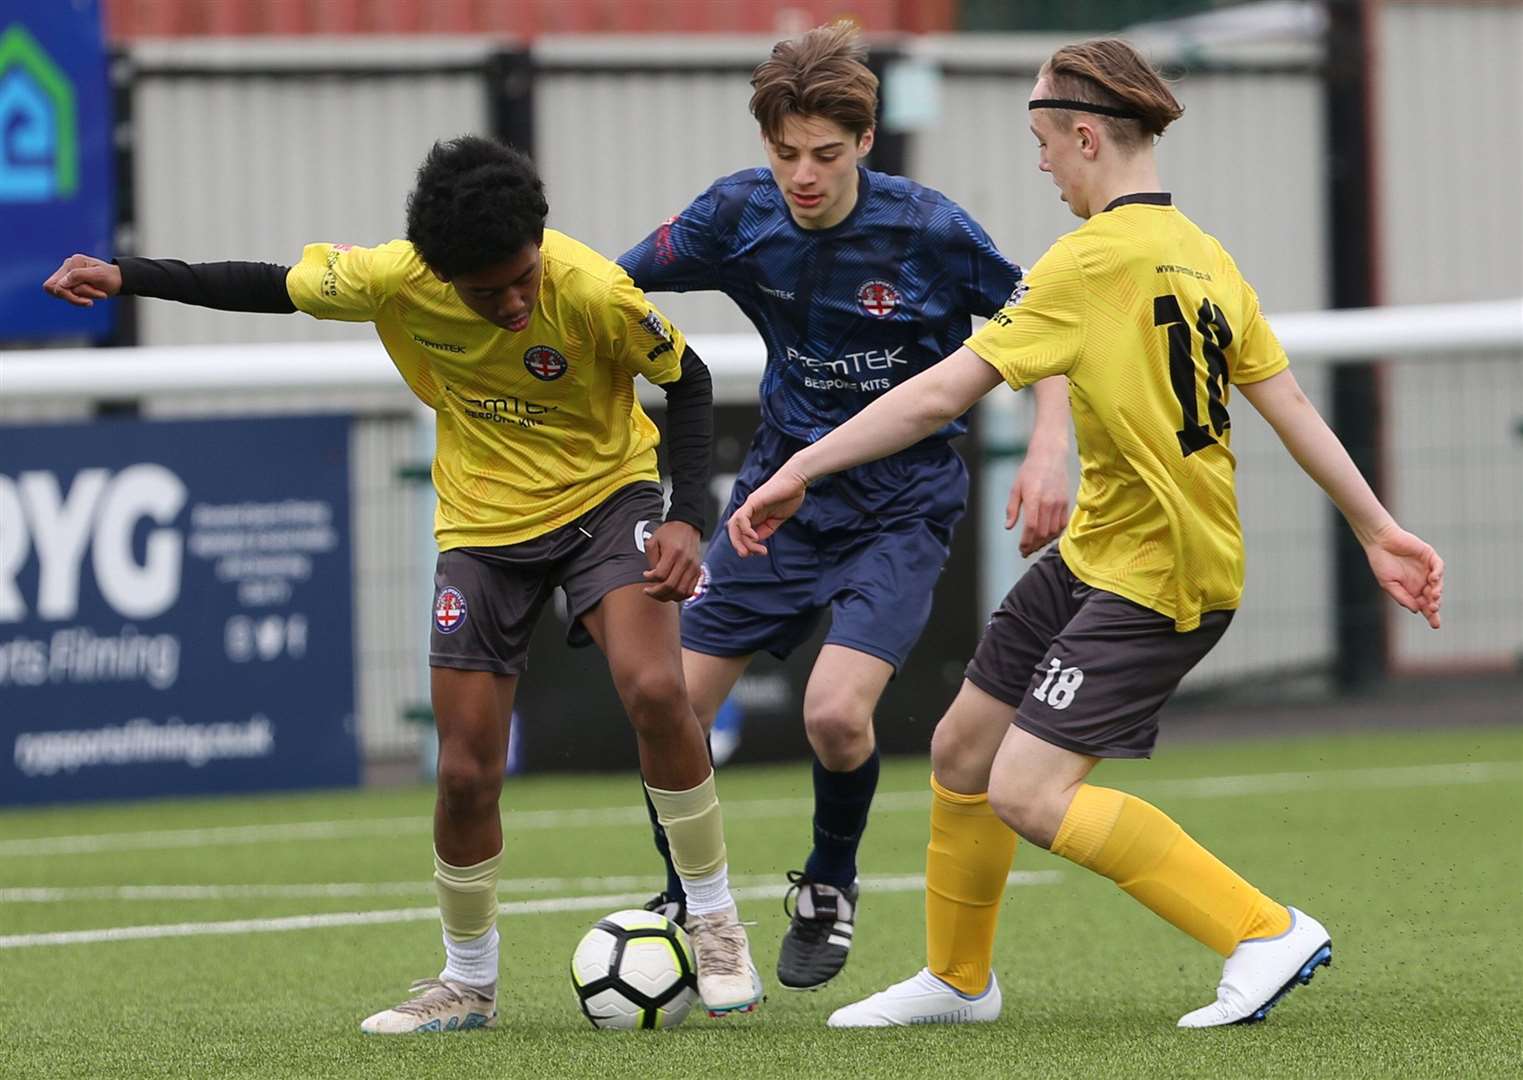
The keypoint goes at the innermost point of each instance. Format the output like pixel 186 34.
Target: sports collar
pixel 1142 198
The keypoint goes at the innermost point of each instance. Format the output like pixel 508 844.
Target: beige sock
pixel 467 896
pixel 695 830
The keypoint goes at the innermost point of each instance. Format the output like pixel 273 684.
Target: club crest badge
pixel 544 363
pixel 878 298
pixel 449 610
pixel 653 326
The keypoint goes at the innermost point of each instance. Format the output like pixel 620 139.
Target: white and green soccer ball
pixel 635 969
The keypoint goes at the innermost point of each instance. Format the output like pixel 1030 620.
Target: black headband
pixel 1083 106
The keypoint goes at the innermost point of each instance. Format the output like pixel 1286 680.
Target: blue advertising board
pixel 175 608
pixel 56 163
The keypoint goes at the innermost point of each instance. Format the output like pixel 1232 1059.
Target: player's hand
pixel 1041 491
pixel 765 511
pixel 1409 570
pixel 82 280
pixel 673 551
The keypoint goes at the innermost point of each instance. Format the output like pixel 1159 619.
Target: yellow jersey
pixel 1150 320
pixel 534 428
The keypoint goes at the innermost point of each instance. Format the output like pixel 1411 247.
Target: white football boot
pixel 437 1005
pixel 921 999
pixel 728 981
pixel 1261 971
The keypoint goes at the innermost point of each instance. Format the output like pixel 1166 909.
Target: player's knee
pixel 958 762
pixel 469 785
pixel 837 728
pixel 1028 810
pixel 654 698
pixel 1013 805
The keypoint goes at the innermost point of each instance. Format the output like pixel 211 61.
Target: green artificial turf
pixel 1417 870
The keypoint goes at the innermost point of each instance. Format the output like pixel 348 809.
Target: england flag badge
pixel 878 298
pixel 449 610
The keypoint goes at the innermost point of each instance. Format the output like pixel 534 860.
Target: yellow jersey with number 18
pixel 1150 320
pixel 534 428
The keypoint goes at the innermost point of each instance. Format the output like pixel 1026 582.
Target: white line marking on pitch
pixel 1206 787
pixel 549 905
pixel 322 890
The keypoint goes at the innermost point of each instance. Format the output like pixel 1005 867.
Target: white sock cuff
pixel 710 893
pixel 474 961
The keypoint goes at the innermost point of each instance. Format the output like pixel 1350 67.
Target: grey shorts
pixel 1086 669
pixel 487 599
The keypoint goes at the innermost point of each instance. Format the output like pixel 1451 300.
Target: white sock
pixel 707 895
pixel 473 961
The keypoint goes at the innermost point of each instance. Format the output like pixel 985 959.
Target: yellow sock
pixel 1141 849
pixel 966 865
pixel 467 897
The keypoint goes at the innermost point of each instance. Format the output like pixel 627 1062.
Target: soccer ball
pixel 635 969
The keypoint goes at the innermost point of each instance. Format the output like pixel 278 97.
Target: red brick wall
pixel 515 18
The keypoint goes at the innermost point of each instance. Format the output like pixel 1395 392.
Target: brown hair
pixel 823 73
pixel 1110 72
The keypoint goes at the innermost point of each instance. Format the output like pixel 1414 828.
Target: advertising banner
pixel 175 608
pixel 56 162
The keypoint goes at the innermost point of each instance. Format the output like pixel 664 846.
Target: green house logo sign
pixel 39 141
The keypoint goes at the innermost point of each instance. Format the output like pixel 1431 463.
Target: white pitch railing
pixel 735 359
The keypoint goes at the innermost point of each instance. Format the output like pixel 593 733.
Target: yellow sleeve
pixel 1258 354
pixel 1040 331
pixel 643 340
pixel 344 282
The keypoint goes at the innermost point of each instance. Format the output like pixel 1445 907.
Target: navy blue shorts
pixel 868 546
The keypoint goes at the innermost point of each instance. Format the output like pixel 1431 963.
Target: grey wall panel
pixel 1450 174
pixel 45 410
pixel 254 167
pixel 1455 477
pixel 394 578
pixel 1245 163
pixel 620 153
pixel 1450 160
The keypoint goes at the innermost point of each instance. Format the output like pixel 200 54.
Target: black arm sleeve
pixel 227 286
pixel 690 440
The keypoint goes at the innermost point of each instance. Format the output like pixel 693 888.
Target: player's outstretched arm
pixel 1040 490
pixel 1408 569
pixel 226 286
pixel 902 417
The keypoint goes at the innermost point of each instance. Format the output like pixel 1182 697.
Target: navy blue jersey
pixel 847 312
